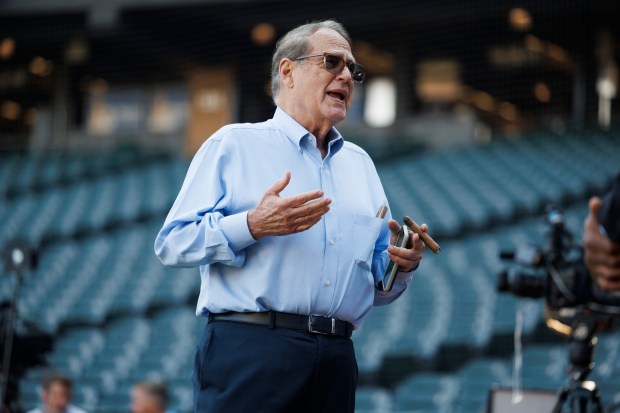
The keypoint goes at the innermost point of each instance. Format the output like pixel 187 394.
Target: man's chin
pixel 337 115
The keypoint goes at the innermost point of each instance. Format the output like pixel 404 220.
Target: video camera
pixel 577 306
pixel 557 271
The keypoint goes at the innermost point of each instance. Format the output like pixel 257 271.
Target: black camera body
pixel 557 271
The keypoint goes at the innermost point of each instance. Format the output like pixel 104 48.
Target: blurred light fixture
pixel 438 80
pixel 211 100
pixel 542 92
pixel 380 105
pixel 557 53
pixel 98 87
pixel 263 34
pixel 508 111
pixel 534 44
pixel 77 51
pixel 484 101
pixel 376 60
pixel 7 48
pixel 10 110
pixel 40 66
pixel 520 19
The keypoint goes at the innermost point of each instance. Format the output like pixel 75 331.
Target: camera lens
pixel 521 284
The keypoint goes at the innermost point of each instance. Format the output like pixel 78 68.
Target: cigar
pixel 423 235
pixel 382 211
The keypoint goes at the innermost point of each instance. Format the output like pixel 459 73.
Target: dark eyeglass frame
pixel 358 72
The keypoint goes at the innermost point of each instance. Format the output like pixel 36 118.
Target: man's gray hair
pixel 295 44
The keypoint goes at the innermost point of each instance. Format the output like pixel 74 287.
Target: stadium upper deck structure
pixel 85 73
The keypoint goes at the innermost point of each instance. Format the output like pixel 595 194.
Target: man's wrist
pixel 401 269
pixel 253 232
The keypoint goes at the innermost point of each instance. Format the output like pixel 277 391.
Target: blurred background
pixel 478 115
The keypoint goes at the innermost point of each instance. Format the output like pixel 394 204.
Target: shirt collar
pixel 295 132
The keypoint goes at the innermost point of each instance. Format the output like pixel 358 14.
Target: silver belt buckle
pixel 312 330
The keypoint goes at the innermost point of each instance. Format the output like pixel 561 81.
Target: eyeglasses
pixel 334 64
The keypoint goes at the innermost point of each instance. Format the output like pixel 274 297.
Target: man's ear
pixel 286 72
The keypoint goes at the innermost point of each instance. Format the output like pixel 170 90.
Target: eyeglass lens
pixel 335 64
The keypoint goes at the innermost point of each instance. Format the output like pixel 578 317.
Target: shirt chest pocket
pixel 364 236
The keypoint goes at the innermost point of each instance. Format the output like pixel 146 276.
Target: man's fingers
pixel 406 258
pixel 309 223
pixel 304 198
pixel 608 284
pixel 312 207
pixel 394 227
pixel 280 185
pixel 311 211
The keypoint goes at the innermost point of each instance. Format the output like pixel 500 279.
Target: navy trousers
pixel 241 367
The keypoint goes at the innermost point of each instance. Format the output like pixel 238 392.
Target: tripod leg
pixel 561 400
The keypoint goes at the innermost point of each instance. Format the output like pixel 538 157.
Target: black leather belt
pixel 312 324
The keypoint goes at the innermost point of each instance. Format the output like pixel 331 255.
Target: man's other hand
pixel 407 258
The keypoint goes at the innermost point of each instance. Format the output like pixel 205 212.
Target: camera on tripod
pixel 577 306
pixel 557 271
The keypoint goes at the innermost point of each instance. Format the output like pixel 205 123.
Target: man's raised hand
pixel 275 215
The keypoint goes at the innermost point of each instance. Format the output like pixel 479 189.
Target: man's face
pixel 142 402
pixel 57 397
pixel 323 95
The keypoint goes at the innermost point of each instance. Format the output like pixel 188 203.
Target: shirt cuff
pixel 235 229
pixel 405 276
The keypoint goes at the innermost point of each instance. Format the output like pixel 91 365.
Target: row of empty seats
pixel 475 188
pixel 453 192
pixel 91 206
pixel 22 173
pixel 90 280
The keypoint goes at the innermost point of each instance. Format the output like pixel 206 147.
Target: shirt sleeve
pixel 400 285
pixel 201 228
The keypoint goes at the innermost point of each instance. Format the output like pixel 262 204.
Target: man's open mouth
pixel 338 95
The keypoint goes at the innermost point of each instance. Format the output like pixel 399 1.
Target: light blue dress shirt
pixel 329 270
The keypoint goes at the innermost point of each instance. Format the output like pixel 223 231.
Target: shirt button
pixel 328 283
pixel 331 242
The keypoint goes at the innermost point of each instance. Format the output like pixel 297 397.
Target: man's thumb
pixel 595 205
pixel 281 184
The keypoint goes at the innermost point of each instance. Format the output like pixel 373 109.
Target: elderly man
pixel 281 217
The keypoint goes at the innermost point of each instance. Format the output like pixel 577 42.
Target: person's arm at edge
pixel 601 255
